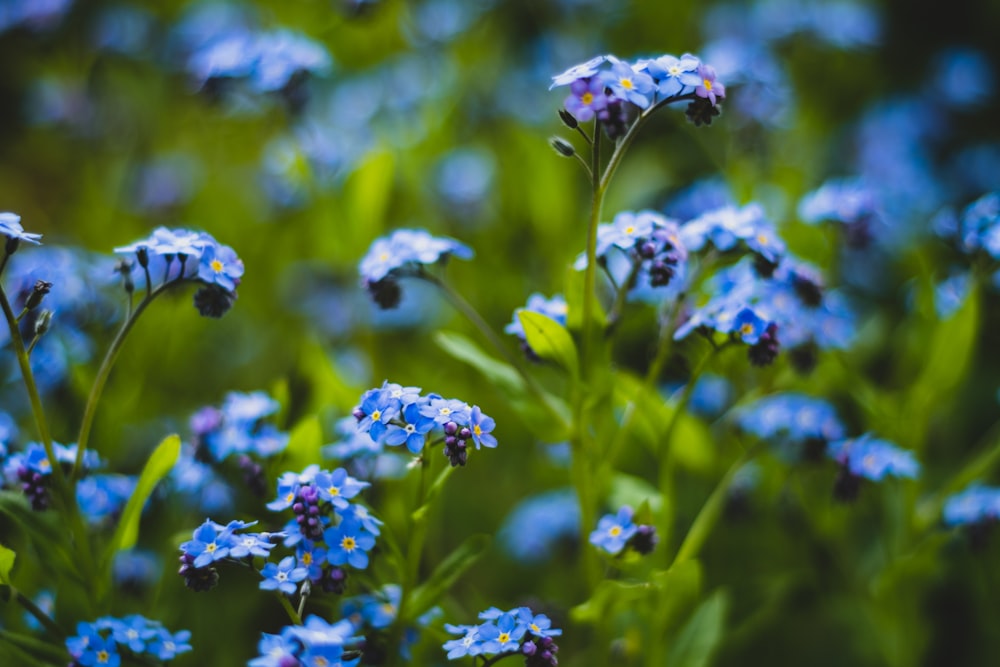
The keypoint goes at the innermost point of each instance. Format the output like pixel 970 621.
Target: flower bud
pixel 38 292
pixel 563 147
pixel 568 119
pixel 43 322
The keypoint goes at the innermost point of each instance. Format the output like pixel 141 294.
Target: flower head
pixel 10 226
pixel 707 86
pixel 614 530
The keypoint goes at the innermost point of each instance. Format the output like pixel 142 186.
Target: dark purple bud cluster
pixel 540 652
pixel 616 118
pixel 309 513
pixel 701 111
pixel 764 352
pixel 198 579
pixel 35 487
pixel 213 301
pixel 644 540
pixel 386 292
pixel 663 255
pixel 455 438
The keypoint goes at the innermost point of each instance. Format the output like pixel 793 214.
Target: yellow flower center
pixel 534 628
pixel 504 637
pixel 707 84
pixel 217 266
pixel 587 99
pixel 627 84
pixel 630 230
pixel 477 429
pixel 348 544
pixel 307 558
pixel 211 548
pixel 761 239
pixel 615 531
pixel 334 491
pixel 377 415
pixel 103 657
pixel 746 329
pixel 675 70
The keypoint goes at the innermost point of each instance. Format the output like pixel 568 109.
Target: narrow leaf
pixel 160 463
pixel 550 340
pixel 6 564
pixel 502 374
pixel 446 574
pixel 699 638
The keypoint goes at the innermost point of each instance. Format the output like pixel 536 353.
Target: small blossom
pixel 708 87
pixel 614 530
pixel 282 576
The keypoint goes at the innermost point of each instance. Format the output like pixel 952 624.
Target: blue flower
pixel 251 544
pixel 873 459
pixel 413 432
pixel 275 651
pixel 444 410
pixel 629 84
pixel 975 504
pixel 581 71
pixel 406 249
pixel 503 635
pixel 167 646
pixel 282 576
pixel 379 611
pixel 482 427
pixel 311 557
pixel 533 528
pixel 795 416
pixel 673 75
pixel 378 407
pixel 219 265
pixel 614 530
pixel 282 54
pixel 337 487
pixel 100 652
pixel 538 625
pixel 209 544
pixel 360 513
pixel 10 226
pixel 133 631
pixel 749 326
pixel 469 644
pixel 586 99
pixel 348 543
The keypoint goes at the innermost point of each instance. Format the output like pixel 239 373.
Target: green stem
pixel 102 376
pixel 33 396
pixel 289 609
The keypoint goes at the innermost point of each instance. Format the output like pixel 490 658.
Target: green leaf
pixel 634 491
pixel 550 340
pixel 608 594
pixel 6 564
pixel 42 528
pixel 700 636
pixel 574 302
pixel 499 373
pixel 446 574
pixel 305 444
pixel 708 515
pixel 159 464
pixel 39 652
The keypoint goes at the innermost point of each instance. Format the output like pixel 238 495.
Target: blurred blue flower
pixel 950 294
pixel 973 505
pixel 10 226
pixel 873 459
pixel 962 77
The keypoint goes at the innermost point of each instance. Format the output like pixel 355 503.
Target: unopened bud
pixel 43 322
pixel 38 293
pixel 568 119
pixel 563 147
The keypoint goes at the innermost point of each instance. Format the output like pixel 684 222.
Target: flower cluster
pixel 518 631
pixel 554 308
pixel 315 642
pixel 617 532
pixel 793 418
pixel 727 227
pixel 328 532
pixel 642 250
pixel 396 415
pixel 752 301
pixel 107 640
pixel 174 255
pixel 866 457
pixel 213 542
pixel 609 89
pixel 403 253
